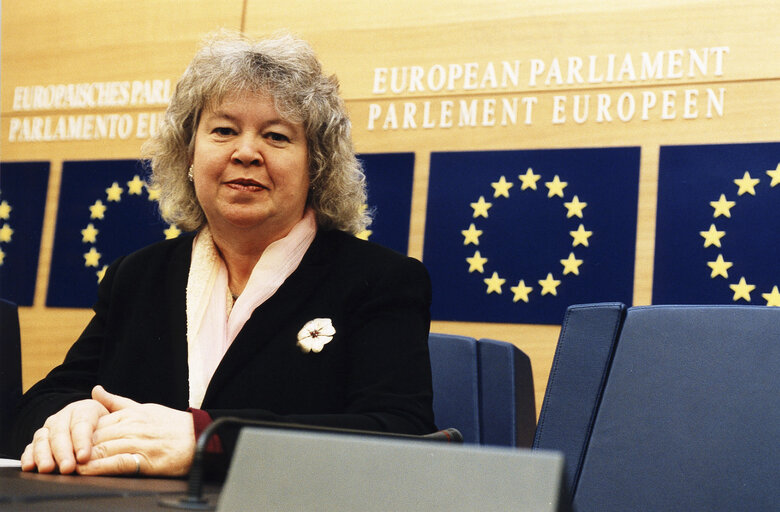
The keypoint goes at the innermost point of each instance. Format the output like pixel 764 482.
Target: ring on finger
pixel 137 460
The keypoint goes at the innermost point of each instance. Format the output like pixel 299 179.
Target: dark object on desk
pixel 194 499
pixel 32 491
pixel 19 487
pixel 689 415
pixel 10 370
pixel 278 470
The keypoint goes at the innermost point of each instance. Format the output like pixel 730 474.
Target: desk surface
pixel 33 492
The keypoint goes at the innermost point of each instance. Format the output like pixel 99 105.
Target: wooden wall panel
pixel 354 38
pixel 85 41
pixel 95 41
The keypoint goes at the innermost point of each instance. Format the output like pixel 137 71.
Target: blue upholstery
pixel 483 388
pixel 506 385
pixel 10 368
pixel 455 384
pixel 585 346
pixel 689 417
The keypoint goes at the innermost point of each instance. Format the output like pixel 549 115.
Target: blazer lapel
pixel 175 299
pixel 274 314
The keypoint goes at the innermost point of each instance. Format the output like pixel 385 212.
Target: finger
pixel 114 429
pixel 59 446
pixel 120 464
pixel 116 446
pixel 111 419
pixel 83 423
pixel 41 451
pixel 111 401
pixel 28 463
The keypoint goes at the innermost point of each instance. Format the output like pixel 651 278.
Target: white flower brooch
pixel 315 335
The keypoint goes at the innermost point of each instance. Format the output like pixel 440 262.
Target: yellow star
pixel 742 290
pixel 775 175
pixel 363 235
pixel 91 258
pixel 172 232
pixel 471 235
pixel 114 192
pixel 97 210
pixel 772 299
pixel 477 263
pixel 494 283
pixel 747 184
pixel 154 193
pixel 502 187
pixel 101 273
pixel 555 187
pixel 580 236
pixel 5 210
pixel 549 285
pixel 574 207
pixel 2 257
pixel 712 237
pixel 529 179
pixel 135 186
pixel 5 233
pixel 722 207
pixel 89 234
pixel 521 291
pixel 571 265
pixel 481 207
pixel 719 267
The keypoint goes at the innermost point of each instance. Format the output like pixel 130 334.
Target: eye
pixel 277 137
pixel 224 131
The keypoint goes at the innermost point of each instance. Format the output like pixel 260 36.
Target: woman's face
pixel 250 167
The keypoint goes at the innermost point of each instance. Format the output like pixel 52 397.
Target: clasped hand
pixel 113 435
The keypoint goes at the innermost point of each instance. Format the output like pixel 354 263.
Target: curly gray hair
pixel 287 69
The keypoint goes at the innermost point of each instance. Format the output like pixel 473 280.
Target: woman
pixel 271 311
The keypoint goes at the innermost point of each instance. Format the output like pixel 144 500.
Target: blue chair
pixel 689 416
pixel 579 370
pixel 455 374
pixel 10 369
pixel 483 388
pixel 506 395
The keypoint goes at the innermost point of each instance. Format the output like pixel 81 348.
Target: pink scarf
pixel 213 319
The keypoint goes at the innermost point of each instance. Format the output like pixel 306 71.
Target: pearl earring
pixel 189 174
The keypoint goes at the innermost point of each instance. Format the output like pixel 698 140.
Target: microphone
pixel 194 499
pixel 448 435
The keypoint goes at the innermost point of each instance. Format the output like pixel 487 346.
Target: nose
pixel 247 152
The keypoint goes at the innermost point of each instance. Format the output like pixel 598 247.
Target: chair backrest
pixel 10 368
pixel 455 373
pixel 483 388
pixel 580 367
pixel 690 415
pixel 506 394
pixel 684 415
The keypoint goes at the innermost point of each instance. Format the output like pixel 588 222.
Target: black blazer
pixel 374 375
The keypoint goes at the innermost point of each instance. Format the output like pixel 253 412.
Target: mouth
pixel 245 184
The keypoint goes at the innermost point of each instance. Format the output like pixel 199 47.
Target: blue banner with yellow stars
pixel 23 188
pixel 389 177
pixel 105 211
pixel 717 228
pixel 518 236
